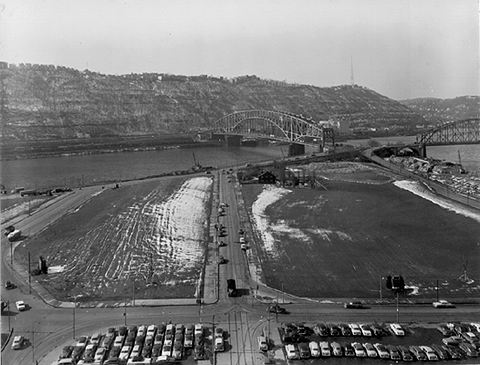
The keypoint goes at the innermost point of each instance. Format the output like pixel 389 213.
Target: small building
pixel 266 177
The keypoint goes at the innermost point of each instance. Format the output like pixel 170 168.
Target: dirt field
pixel 340 242
pixel 148 236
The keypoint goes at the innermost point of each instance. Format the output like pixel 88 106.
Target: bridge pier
pixel 233 141
pixel 295 149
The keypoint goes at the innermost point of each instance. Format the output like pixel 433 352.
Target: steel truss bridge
pixel 273 124
pixel 465 131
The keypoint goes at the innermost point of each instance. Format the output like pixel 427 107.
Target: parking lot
pixel 372 342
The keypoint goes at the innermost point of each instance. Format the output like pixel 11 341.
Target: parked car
pixel 17 342
pixel 440 351
pixel 453 352
pixel 218 332
pixel 119 340
pixel 470 337
pixel 303 350
pixel 452 340
pixel 89 353
pixel 405 353
pixel 334 330
pixel 325 349
pixel 418 353
pixel 397 329
pixel 188 341
pixel 370 350
pixel 100 354
pixel 336 349
pixel 291 352
pixel 167 350
pixel 359 350
pixel 346 331
pixel 377 330
pixel 366 331
pixel 66 352
pixel 198 330
pixel 21 306
pixel 77 352
pixel 178 350
pixel 199 352
pixel 348 350
pixel 445 330
pixel 355 328
pixel 443 304
pixel 157 350
pixel 468 349
pixel 394 353
pixel 431 355
pixel 151 330
pixel 382 351
pixel 219 345
pixel 262 343
pixel 124 353
pixel 314 349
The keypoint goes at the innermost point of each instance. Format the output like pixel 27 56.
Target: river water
pixel 74 171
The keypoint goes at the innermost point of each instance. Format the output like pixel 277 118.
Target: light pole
pixel 74 306
pixel 398 312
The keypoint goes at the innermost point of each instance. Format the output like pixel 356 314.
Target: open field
pixel 149 236
pixel 340 242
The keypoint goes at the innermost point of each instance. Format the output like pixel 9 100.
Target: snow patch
pixel 418 189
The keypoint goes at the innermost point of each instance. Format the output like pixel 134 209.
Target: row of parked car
pixel 296 332
pixel 137 345
pixel 325 349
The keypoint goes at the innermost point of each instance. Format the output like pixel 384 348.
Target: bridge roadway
pixel 50 328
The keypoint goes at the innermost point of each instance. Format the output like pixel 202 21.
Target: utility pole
pixel 74 306
pixel 29 276
pixel 398 312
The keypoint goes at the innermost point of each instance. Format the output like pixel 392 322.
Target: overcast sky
pixel 402 49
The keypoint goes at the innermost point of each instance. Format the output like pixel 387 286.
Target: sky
pixel 402 49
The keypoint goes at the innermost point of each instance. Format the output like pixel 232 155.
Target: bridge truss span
pixel 271 124
pixel 465 131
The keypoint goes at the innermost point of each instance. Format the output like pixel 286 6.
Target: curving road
pixel 243 318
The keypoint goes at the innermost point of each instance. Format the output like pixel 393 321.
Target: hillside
pixel 439 111
pixel 51 102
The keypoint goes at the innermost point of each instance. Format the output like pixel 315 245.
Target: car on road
pixel 314 349
pixel 222 260
pixel 17 342
pixel 221 243
pixel 397 329
pixel 241 231
pixel 382 351
pixel 359 350
pixel 355 305
pixel 370 350
pixel 244 247
pixel 276 309
pixel 443 304
pixel 21 306
pixel 9 285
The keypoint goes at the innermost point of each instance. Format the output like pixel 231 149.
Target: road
pixel 242 318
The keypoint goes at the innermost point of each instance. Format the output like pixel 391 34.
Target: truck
pixel 14 235
pixel 231 288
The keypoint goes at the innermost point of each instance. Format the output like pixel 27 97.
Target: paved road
pixel 243 318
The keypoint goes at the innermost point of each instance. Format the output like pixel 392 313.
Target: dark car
pixel 405 353
pixel 321 329
pixel 377 330
pixel 453 352
pixel 304 350
pixel 394 353
pixel 355 305
pixel 66 352
pixel 157 350
pixel 122 331
pixel 146 351
pixel 114 353
pixel 140 340
pixel 77 352
pixel 130 339
pixel 276 309
pixel 199 352
pixel 441 352
pixel 468 349
pixel 9 285
pixel 349 350
pixel 346 331
pixel 444 330
pixel 418 353
pixel 334 330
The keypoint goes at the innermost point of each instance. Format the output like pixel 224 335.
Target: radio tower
pixel 352 82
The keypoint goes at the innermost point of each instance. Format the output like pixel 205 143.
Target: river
pixel 73 171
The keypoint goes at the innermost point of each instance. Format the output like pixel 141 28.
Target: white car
pixel 443 304
pixel 219 346
pixel 20 304
pixel 100 354
pixel 366 331
pixel 95 339
pixel 141 330
pixel 17 342
pixel 397 329
pixel 198 330
pixel 325 349
pixel 124 353
pixel 337 349
pixel 314 349
pixel 291 352
pixel 382 351
pixel 119 340
pixel 262 343
pixel 359 351
pixel 355 328
pixel 136 351
pixel 431 355
pixel 151 330
pixel 371 352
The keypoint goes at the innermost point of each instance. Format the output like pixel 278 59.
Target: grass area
pixel 115 244
pixel 340 242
